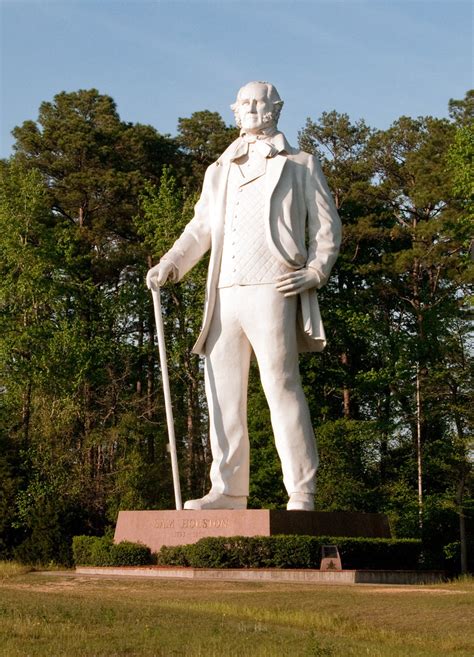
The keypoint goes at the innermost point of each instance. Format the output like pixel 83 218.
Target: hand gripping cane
pixel 167 394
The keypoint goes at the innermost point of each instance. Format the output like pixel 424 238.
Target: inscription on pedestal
pixel 164 524
pixel 205 523
pixel 189 528
pixel 190 523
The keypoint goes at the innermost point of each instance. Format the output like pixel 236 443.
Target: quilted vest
pixel 246 259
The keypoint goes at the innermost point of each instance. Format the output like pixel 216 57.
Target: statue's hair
pixel 270 117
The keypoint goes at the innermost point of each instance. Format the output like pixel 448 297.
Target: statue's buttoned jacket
pixel 301 224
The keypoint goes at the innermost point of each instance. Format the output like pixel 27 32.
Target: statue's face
pixel 254 108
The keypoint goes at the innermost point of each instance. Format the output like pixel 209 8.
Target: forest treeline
pixel 89 202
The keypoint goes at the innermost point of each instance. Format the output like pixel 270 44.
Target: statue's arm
pixel 324 224
pixel 324 236
pixel 188 249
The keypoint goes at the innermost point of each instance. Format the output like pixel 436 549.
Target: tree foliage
pixel 397 321
pixel 203 137
pixel 89 202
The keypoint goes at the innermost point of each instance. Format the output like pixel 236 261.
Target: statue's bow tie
pixel 261 144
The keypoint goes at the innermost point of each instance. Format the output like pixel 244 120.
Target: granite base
pixel 158 528
pixel 295 576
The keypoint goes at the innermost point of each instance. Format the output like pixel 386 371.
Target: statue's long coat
pixel 301 222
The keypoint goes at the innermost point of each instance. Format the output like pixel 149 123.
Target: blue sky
pixel 164 59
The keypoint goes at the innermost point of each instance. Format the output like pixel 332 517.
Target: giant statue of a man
pixel 268 217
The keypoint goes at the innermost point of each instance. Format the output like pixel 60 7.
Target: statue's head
pixel 257 107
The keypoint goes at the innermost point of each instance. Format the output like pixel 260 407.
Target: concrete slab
pixel 271 575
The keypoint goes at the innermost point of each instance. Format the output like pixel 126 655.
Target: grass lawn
pixel 62 614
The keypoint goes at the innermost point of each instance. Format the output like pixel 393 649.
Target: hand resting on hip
pixel 297 281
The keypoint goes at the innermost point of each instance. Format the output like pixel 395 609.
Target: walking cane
pixel 167 394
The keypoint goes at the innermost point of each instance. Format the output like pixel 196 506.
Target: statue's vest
pixel 246 258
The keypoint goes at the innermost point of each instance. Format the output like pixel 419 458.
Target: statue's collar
pixel 275 140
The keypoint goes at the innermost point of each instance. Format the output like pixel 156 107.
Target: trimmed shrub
pixel 130 554
pixel 253 552
pixel 81 549
pixel 99 554
pixel 175 555
pixel 293 552
pixel 102 551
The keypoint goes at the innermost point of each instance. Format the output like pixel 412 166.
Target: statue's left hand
pixel 297 281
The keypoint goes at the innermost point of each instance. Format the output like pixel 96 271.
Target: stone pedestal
pixel 157 528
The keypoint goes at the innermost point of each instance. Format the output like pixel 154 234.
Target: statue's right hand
pixel 160 273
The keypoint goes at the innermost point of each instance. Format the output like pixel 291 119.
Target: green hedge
pixel 293 552
pixel 102 551
pixel 253 552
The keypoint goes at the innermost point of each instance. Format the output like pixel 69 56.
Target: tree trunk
pixel 141 333
pixel 384 415
pixel 418 447
pixel 196 463
pixel 346 393
pixel 462 526
pixel 418 399
pixel 26 415
pixel 461 483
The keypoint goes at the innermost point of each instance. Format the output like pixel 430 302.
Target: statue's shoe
pixel 300 502
pixel 216 501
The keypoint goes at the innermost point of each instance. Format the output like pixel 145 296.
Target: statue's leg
pixel 228 354
pixel 270 324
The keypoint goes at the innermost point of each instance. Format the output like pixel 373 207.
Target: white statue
pixel 269 219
